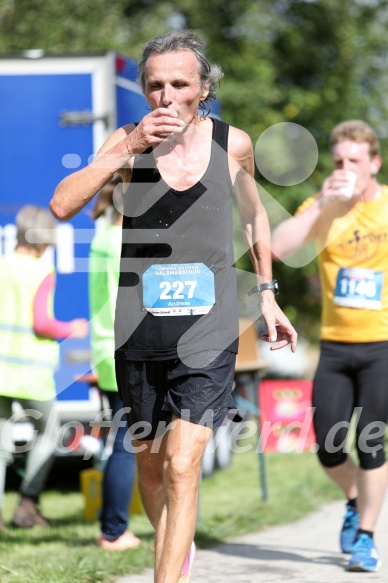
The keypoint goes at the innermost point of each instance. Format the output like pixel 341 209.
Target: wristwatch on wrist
pixel 271 285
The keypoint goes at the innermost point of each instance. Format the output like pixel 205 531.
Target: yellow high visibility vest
pixel 27 362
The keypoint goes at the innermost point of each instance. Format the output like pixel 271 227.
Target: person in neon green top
pixel 29 356
pixel 104 267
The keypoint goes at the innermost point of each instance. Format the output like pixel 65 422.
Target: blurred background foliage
pixel 309 62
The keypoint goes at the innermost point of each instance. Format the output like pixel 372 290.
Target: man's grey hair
pixel 184 40
pixel 35 227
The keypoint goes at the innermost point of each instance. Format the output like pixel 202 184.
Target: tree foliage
pixel 309 62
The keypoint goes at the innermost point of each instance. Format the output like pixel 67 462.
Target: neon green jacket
pixel 104 269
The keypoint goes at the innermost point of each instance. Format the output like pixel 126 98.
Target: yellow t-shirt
pixel 353 265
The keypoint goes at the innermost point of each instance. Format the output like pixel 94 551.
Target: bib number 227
pixel 177 290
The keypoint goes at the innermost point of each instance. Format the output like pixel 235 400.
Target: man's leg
pixel 368 486
pixel 169 469
pixel 372 403
pixel 150 455
pixel 333 402
pixel 186 443
pixel 371 429
pixel 333 399
pixel 169 481
pixel 345 476
pixel 372 486
pixel 142 388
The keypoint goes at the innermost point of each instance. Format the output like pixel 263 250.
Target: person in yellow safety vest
pixel 29 356
pixel 104 270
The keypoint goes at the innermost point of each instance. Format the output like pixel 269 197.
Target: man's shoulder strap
pixel 221 132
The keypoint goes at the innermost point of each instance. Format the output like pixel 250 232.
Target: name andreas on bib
pixel 182 289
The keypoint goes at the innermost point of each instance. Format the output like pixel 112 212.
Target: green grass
pixel 67 551
pixel 230 504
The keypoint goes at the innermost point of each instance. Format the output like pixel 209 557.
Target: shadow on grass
pixel 36 539
pixel 204 540
pixel 55 534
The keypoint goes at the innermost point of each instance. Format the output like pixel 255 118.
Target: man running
pixel 348 222
pixel 176 314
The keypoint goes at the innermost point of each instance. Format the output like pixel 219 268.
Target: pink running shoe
pixel 185 575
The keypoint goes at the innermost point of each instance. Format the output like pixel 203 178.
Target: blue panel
pixel 131 107
pixel 126 68
pixel 215 108
pixel 32 144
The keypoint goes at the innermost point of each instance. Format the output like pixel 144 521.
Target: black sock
pixel 352 502
pixel 361 531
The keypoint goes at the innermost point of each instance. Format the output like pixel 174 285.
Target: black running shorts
pixel 154 391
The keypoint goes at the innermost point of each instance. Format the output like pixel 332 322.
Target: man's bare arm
pixel 256 230
pixel 291 235
pixel 76 190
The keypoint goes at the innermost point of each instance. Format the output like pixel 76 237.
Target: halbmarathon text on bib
pixel 359 288
pixel 182 289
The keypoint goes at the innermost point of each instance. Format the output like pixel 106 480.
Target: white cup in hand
pixel 346 191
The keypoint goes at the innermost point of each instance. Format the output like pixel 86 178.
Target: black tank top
pixel 165 226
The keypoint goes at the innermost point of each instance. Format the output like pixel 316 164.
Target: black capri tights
pixel 351 379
